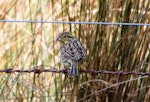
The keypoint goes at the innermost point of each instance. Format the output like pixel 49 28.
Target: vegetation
pixel 109 47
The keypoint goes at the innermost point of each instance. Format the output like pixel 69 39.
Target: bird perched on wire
pixel 72 52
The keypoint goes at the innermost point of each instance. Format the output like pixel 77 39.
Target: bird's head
pixel 65 37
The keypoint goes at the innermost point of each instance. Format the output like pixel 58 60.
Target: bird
pixel 72 52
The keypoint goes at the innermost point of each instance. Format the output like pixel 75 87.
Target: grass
pixel 109 47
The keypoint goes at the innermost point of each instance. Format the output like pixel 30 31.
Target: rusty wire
pixel 65 71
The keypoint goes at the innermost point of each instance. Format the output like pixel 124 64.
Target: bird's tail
pixel 74 69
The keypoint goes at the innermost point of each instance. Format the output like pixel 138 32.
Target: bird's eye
pixel 65 36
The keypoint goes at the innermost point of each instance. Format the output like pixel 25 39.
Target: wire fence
pixel 65 22
pixel 65 71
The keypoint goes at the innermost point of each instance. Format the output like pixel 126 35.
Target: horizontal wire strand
pixel 65 22
pixel 65 71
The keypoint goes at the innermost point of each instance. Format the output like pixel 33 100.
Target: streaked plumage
pixel 72 51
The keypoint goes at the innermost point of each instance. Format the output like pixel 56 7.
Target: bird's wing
pixel 73 50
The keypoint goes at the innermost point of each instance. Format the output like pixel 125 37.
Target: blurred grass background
pixel 109 47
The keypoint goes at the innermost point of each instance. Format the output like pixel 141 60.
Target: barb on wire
pixel 65 71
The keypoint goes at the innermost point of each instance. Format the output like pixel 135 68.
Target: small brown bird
pixel 72 51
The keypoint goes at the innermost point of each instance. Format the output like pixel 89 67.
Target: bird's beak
pixel 58 39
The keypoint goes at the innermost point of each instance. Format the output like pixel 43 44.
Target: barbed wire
pixel 65 22
pixel 65 71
